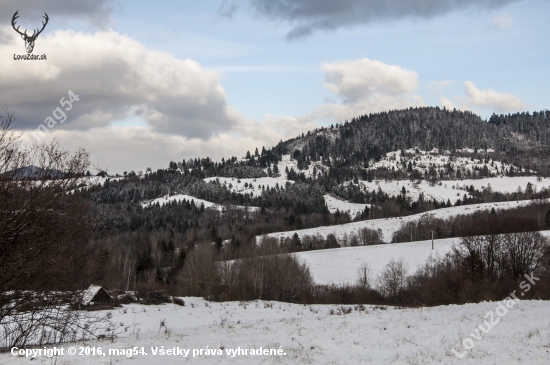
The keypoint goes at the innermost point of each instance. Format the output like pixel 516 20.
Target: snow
pixel 90 293
pixel 448 190
pixel 88 181
pixel 390 225
pixel 340 265
pixel 95 180
pixel 423 160
pixel 253 186
pixel 288 162
pixel 312 335
pixel 352 209
pixel 189 198
pixel 445 190
pixel 454 189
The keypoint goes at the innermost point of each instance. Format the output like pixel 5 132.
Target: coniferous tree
pixel 296 242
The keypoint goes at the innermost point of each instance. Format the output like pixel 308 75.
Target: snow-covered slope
pixel 288 162
pixel 352 209
pixel 189 198
pixel 439 160
pixel 390 225
pixel 253 186
pixel 423 161
pixel 317 334
pixel 339 265
pixel 454 189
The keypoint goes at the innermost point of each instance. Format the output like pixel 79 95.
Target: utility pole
pixel 432 240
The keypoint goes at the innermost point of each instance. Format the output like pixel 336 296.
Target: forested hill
pixel 369 137
pixel 352 162
pixel 323 159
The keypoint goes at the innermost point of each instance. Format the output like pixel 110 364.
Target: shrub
pixel 369 236
pixel 392 279
pixel 199 274
pixel 178 301
pixel 267 273
pixel 501 256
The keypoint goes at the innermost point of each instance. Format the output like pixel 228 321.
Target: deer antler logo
pixel 29 40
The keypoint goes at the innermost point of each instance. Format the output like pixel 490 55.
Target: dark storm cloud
pixel 31 11
pixel 308 16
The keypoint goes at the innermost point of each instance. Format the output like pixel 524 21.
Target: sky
pixel 167 80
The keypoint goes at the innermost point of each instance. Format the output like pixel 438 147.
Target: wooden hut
pixel 97 297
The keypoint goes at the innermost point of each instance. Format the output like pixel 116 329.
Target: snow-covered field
pixel 339 265
pixel 318 334
pixel 390 225
pixel 189 198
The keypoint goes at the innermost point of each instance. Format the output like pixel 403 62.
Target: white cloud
pixel 117 78
pixel 490 99
pixel 114 76
pixel 183 104
pixel 367 86
pixel 447 103
pixel 275 128
pixel 134 148
pixel 364 78
pixel 262 69
pixel 502 21
pixel 437 86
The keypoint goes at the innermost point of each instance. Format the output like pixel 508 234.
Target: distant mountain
pixel 34 172
pixel 520 138
pixel 371 136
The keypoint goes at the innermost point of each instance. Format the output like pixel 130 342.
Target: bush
pixel 392 280
pixel 178 301
pixel 509 255
pixel 155 297
pixel 369 236
pixel 199 274
pixel 267 273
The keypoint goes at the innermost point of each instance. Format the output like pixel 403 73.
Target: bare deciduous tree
pixel 42 223
pixel 43 235
pixel 199 273
pixel 510 255
pixel 392 279
pixel 364 275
